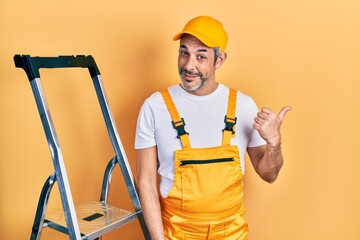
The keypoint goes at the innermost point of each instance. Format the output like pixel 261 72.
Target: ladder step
pixel 95 219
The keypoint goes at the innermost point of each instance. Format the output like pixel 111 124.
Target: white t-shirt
pixel 204 121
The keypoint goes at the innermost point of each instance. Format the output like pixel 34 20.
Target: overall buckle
pixel 229 124
pixel 180 127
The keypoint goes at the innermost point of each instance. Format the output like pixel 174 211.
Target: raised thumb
pixel 283 111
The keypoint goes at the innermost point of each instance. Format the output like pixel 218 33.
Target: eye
pixel 201 57
pixel 183 53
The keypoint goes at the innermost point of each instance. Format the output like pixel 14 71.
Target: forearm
pixel 270 163
pixel 148 191
pixel 150 203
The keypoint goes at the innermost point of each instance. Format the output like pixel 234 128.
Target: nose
pixel 190 64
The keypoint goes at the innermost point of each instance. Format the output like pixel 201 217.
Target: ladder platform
pixel 95 219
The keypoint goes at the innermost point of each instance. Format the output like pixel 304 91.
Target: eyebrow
pixel 200 50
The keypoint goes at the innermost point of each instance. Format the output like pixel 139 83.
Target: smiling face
pixel 197 66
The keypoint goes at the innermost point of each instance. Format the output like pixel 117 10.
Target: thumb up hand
pixel 268 124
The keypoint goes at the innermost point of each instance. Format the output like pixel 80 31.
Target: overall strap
pixel 178 123
pixel 230 119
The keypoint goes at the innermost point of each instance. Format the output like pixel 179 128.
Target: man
pixel 195 135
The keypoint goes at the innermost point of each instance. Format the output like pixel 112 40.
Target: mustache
pixel 183 70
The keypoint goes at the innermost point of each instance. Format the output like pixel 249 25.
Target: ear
pixel 220 60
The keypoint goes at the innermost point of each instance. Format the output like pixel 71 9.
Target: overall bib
pixel 205 201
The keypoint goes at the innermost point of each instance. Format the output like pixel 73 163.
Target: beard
pixel 195 87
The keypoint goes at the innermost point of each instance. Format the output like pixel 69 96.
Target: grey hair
pixel 217 54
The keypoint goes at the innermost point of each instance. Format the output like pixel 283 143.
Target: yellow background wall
pixel 300 53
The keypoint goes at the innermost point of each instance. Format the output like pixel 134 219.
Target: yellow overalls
pixel 205 201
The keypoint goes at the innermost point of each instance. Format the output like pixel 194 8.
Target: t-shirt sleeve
pixel 145 128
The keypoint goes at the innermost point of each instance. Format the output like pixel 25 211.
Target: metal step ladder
pixel 93 219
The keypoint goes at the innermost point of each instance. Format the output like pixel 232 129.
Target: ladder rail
pixel 120 152
pixel 42 207
pixel 115 140
pixel 57 158
pixel 107 180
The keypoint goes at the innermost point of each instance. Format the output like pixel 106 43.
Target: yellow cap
pixel 208 30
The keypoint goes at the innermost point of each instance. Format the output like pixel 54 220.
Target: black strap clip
pixel 229 124
pixel 180 127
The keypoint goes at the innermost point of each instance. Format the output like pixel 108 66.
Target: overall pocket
pixel 211 179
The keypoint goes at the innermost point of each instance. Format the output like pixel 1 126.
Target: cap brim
pixel 178 36
pixel 205 40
